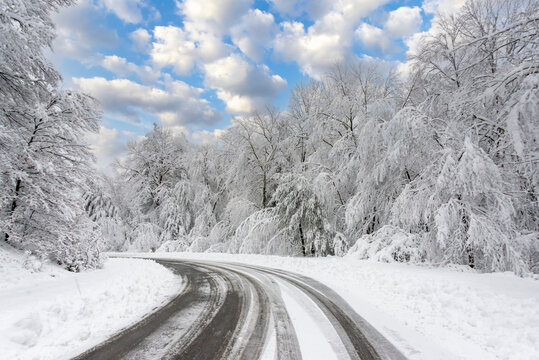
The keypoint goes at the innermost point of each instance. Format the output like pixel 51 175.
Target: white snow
pixel 55 314
pixel 428 313
pixel 315 334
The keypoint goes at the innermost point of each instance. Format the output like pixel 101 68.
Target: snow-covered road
pixel 238 311
pixel 428 313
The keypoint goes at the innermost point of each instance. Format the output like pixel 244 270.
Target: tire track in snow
pixel 286 341
pixel 366 341
pixel 237 311
pixel 205 293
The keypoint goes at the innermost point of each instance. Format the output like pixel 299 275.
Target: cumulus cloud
pixel 106 146
pixel 241 85
pixel 126 10
pixel 212 16
pixel 315 52
pixel 121 67
pixel 179 104
pixel 443 6
pixel 141 38
pixel 208 137
pixel 288 7
pixel 200 40
pixel 175 47
pixel 373 37
pixel 317 9
pixel 404 21
pixel 79 31
pixel 199 43
pixel 178 130
pixel 254 33
pixel 401 23
pixel 328 40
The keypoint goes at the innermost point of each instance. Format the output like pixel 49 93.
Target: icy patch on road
pixel 54 314
pixel 428 313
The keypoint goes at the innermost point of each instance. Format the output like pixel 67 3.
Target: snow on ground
pixel 55 314
pixel 429 313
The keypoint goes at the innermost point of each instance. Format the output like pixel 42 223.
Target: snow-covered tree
pixel 256 139
pixel 465 163
pixel 44 172
pixel 437 165
pixel 299 210
pixel 44 159
pixel 152 167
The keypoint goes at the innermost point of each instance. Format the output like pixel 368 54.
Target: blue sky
pixel 191 65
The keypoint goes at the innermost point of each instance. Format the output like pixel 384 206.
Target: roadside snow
pixel 429 313
pixel 55 314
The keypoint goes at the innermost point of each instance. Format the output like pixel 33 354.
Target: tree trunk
pixel 303 249
pixel 264 191
pixel 471 257
pixel 13 204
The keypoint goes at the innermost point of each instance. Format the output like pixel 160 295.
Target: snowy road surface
pixel 238 311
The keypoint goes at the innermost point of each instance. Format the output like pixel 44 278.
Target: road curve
pixel 238 311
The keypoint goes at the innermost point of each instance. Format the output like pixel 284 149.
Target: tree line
pixel 439 165
pixel 436 164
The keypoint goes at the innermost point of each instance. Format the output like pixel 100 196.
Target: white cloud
pixel 373 37
pixel 241 85
pixel 404 21
pixel 175 47
pixel 401 23
pixel 254 33
pixel 328 40
pixel 172 47
pixel 121 67
pixel 128 133
pixel 129 11
pixel 177 104
pixel 443 6
pixel 141 38
pixel 106 146
pixel 178 130
pixel 79 31
pixel 317 9
pixel 208 137
pixel 315 52
pixel 212 16
pixel 199 43
pixel 288 7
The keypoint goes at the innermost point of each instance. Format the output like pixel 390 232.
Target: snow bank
pixel 54 314
pixel 429 313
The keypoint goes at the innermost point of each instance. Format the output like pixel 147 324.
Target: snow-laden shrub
pixel 180 244
pixel 255 233
pixel 461 205
pixel 237 210
pixel 217 236
pixel 81 249
pixel 300 211
pixel 389 244
pixel 280 244
pixel 530 250
pixel 341 245
pixel 145 237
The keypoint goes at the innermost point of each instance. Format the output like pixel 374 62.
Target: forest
pixel 434 164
